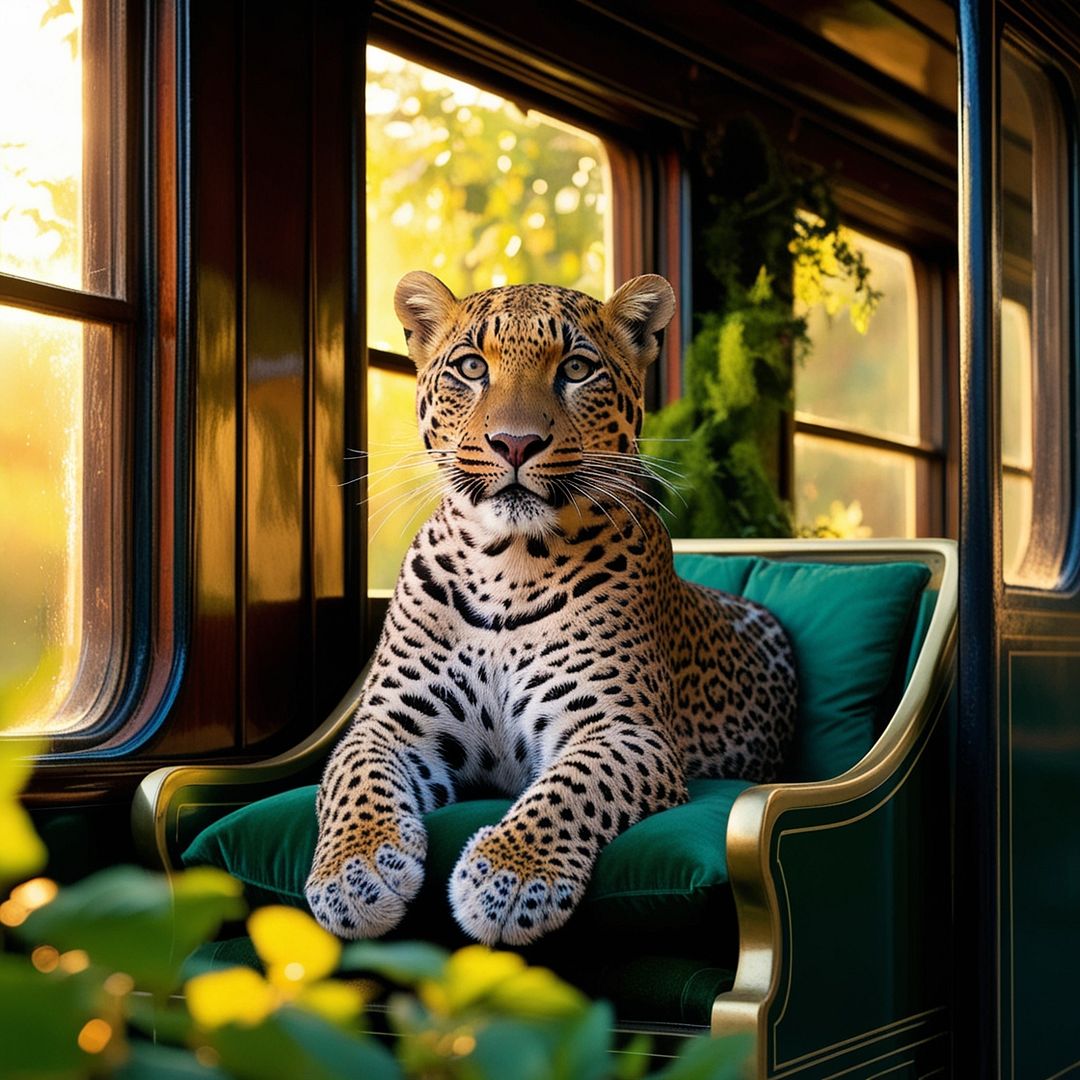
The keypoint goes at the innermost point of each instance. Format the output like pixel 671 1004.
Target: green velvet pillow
pixel 728 573
pixel 847 626
pixel 664 874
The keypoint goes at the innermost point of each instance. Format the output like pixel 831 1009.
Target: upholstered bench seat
pixel 657 930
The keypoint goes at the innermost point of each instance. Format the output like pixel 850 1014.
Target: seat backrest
pixel 852 625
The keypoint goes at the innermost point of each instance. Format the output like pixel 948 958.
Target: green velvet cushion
pixel 662 875
pixel 847 627
pixel 728 573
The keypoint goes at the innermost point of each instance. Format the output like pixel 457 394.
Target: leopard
pixel 538 641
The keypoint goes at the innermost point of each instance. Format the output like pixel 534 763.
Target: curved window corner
pixel 1033 330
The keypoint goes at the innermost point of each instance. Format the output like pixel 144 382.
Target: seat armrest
pixel 169 796
pixel 842 887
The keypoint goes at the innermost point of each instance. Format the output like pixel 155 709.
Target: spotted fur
pixel 539 641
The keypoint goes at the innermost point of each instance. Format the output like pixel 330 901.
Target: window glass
pixel 1016 435
pixel 43 507
pixel 61 165
pixel 61 162
pixel 465 184
pixel 400 476
pixel 852 491
pixel 868 381
pixel 858 421
pixel 1034 345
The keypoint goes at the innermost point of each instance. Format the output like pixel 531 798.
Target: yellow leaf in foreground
pixel 537 993
pixel 205 881
pixel 236 996
pixel 293 946
pixel 338 1002
pixel 21 852
pixel 470 974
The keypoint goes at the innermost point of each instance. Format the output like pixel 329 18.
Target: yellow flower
pixel 297 953
pixel 236 996
pixel 503 982
pixel 469 975
pixel 294 948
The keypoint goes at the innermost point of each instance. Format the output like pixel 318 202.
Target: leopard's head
pixel 527 395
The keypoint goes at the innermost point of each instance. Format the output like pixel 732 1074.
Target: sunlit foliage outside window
pixel 41 360
pixel 463 183
pixel 861 376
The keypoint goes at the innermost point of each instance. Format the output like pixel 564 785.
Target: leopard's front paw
pixel 359 885
pixel 499 893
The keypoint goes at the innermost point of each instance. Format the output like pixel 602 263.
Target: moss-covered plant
pixel 771 248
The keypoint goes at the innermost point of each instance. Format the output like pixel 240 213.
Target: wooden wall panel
pixel 275 637
pixel 204 718
pixel 276 175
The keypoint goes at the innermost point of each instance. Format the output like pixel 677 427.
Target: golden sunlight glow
pixel 41 362
pixel 95 1035
pixel 119 984
pixel 461 182
pixel 45 958
pixel 74 961
pixel 12 914
pixel 35 893
pixel 41 140
pixel 463 1045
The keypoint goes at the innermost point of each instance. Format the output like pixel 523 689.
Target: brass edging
pixel 756 811
pixel 156 800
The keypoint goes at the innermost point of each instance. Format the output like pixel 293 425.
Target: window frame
pixel 138 559
pixel 930 450
pixel 1035 51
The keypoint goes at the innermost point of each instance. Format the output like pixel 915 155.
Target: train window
pixel 862 443
pixel 63 332
pixel 1033 336
pixel 462 182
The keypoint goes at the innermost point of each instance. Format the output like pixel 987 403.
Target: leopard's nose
pixel 517 449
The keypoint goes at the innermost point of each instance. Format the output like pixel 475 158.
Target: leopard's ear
pixel 423 304
pixel 638 313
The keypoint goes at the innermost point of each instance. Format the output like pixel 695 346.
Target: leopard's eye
pixel 576 369
pixel 472 367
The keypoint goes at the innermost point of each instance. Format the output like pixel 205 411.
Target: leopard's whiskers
pixel 621 483
pixel 421 494
pixel 586 493
pixel 610 471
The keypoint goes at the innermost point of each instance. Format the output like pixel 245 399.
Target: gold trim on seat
pixel 746 1007
pixel 160 798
